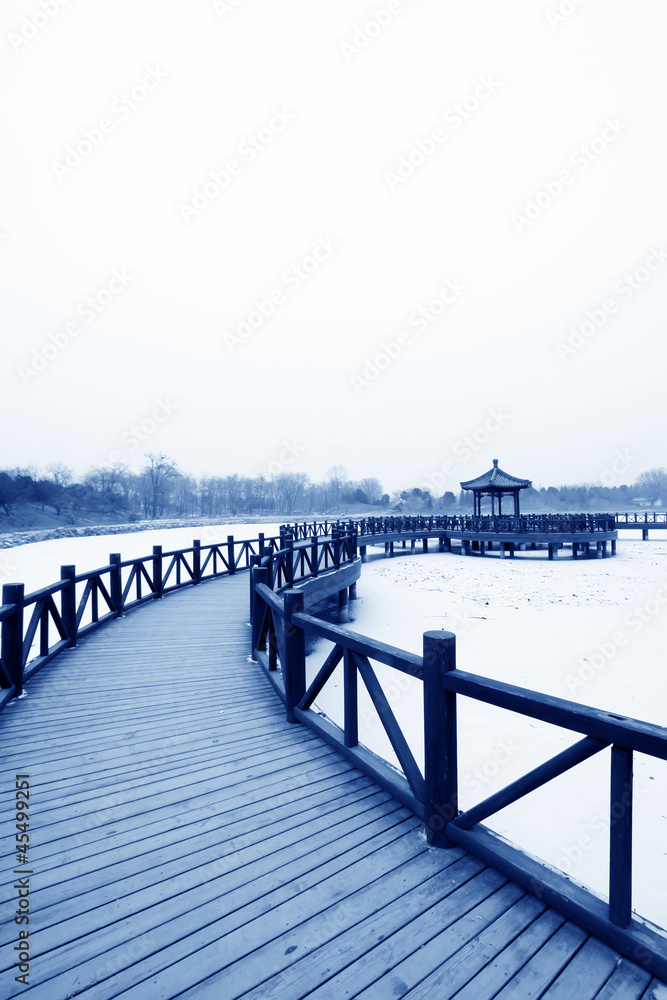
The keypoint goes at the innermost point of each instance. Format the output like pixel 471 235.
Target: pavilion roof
pixel 496 479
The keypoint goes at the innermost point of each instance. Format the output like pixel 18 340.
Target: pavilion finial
pixel 495 463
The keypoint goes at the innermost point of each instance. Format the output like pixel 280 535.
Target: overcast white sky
pixel 518 96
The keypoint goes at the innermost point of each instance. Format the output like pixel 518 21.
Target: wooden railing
pixel 281 633
pixel 641 517
pixel 525 523
pixel 36 627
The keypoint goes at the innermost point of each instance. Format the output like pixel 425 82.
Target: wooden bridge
pixel 641 520
pixel 182 838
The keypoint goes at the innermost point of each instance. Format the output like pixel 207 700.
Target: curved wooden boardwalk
pixel 188 842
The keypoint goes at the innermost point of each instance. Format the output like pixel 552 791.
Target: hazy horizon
pixel 405 239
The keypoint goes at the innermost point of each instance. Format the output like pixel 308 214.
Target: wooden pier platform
pixel 186 841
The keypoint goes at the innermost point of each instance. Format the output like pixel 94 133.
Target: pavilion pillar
pixel 516 503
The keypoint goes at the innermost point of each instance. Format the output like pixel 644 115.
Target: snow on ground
pixel 592 631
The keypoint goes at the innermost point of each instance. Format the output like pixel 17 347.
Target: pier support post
pixel 157 571
pixel 441 544
pixel 116 592
pixel 412 547
pixel 613 546
pixel 362 552
pixel 551 550
pixel 68 605
pixel 466 547
pixel 255 560
pixel 425 545
pixel 440 737
pixel 620 837
pixel 258 574
pixel 11 645
pixel 294 668
pixel 645 534
pixel 352 592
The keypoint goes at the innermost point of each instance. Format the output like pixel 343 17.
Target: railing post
pixel 289 560
pixel 314 554
pixel 116 583
pixel 11 644
pixel 231 562
pixel 157 571
pixel 440 737
pixel 350 703
pixel 261 543
pixel 254 561
pixel 68 602
pixel 294 668
pixel 620 837
pixel 335 544
pixel 196 561
pixel 258 574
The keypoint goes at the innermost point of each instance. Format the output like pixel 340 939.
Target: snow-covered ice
pixel 592 631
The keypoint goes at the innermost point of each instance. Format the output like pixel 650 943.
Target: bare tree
pixel 158 472
pixel 336 479
pixel 654 483
pixel 60 474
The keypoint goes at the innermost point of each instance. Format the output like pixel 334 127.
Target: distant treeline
pixel 161 489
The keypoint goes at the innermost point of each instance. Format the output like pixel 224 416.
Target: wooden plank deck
pixel 187 842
